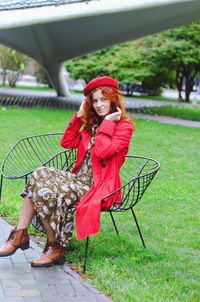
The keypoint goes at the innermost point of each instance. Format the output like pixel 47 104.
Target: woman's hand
pixel 80 112
pixel 115 116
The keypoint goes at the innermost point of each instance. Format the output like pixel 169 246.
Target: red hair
pixel 90 117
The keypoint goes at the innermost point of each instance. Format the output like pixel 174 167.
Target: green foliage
pixel 168 214
pixel 11 60
pixel 158 61
pixel 128 62
pixel 182 112
pixel 100 63
pixel 180 53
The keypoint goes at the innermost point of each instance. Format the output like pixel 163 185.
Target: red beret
pixel 97 82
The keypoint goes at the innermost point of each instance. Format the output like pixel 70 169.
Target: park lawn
pixel 168 270
pixel 183 112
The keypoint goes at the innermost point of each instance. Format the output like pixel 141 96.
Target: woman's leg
pixel 19 237
pixel 49 230
pixel 53 252
pixel 27 213
pixel 26 216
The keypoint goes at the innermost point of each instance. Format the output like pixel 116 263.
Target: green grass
pixel 183 112
pixel 168 270
pixel 41 88
pixel 156 98
pixel 30 87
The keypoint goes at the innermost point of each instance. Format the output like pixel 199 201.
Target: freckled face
pixel 100 104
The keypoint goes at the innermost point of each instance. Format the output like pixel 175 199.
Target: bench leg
pixel 114 223
pixel 138 228
pixel 86 251
pixel 1 186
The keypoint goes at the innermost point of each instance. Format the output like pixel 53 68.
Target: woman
pixel 52 195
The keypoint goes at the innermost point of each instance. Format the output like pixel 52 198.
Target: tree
pixel 127 63
pixel 160 60
pixel 92 65
pixel 137 63
pixel 13 63
pixel 180 53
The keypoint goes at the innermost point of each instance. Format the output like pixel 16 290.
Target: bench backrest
pixel 29 153
pixel 136 174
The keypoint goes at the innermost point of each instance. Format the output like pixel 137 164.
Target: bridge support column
pixel 56 74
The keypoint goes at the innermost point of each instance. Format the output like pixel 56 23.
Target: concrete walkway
pixel 20 282
pixel 130 103
pixel 166 120
pixel 26 92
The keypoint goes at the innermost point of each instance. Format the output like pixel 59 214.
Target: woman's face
pixel 100 104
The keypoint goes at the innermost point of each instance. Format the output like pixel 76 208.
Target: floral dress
pixel 54 194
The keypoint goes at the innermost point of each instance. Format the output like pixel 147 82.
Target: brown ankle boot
pixel 17 239
pixel 53 253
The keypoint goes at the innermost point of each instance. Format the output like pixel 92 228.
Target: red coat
pixel 107 155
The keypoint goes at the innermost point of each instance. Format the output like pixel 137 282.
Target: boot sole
pixel 58 261
pixel 23 247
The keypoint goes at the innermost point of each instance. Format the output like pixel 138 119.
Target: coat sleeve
pixel 112 138
pixel 72 136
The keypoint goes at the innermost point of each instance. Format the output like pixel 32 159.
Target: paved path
pixel 20 282
pixel 78 97
pixel 167 120
pixel 130 103
pixel 26 92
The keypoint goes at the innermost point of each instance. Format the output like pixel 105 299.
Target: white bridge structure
pixel 54 31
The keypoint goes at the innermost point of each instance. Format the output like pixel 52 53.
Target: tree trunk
pixel 179 84
pixel 4 77
pixel 189 83
pixel 13 77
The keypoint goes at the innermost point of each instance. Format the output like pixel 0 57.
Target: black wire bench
pixel 136 175
pixel 31 152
